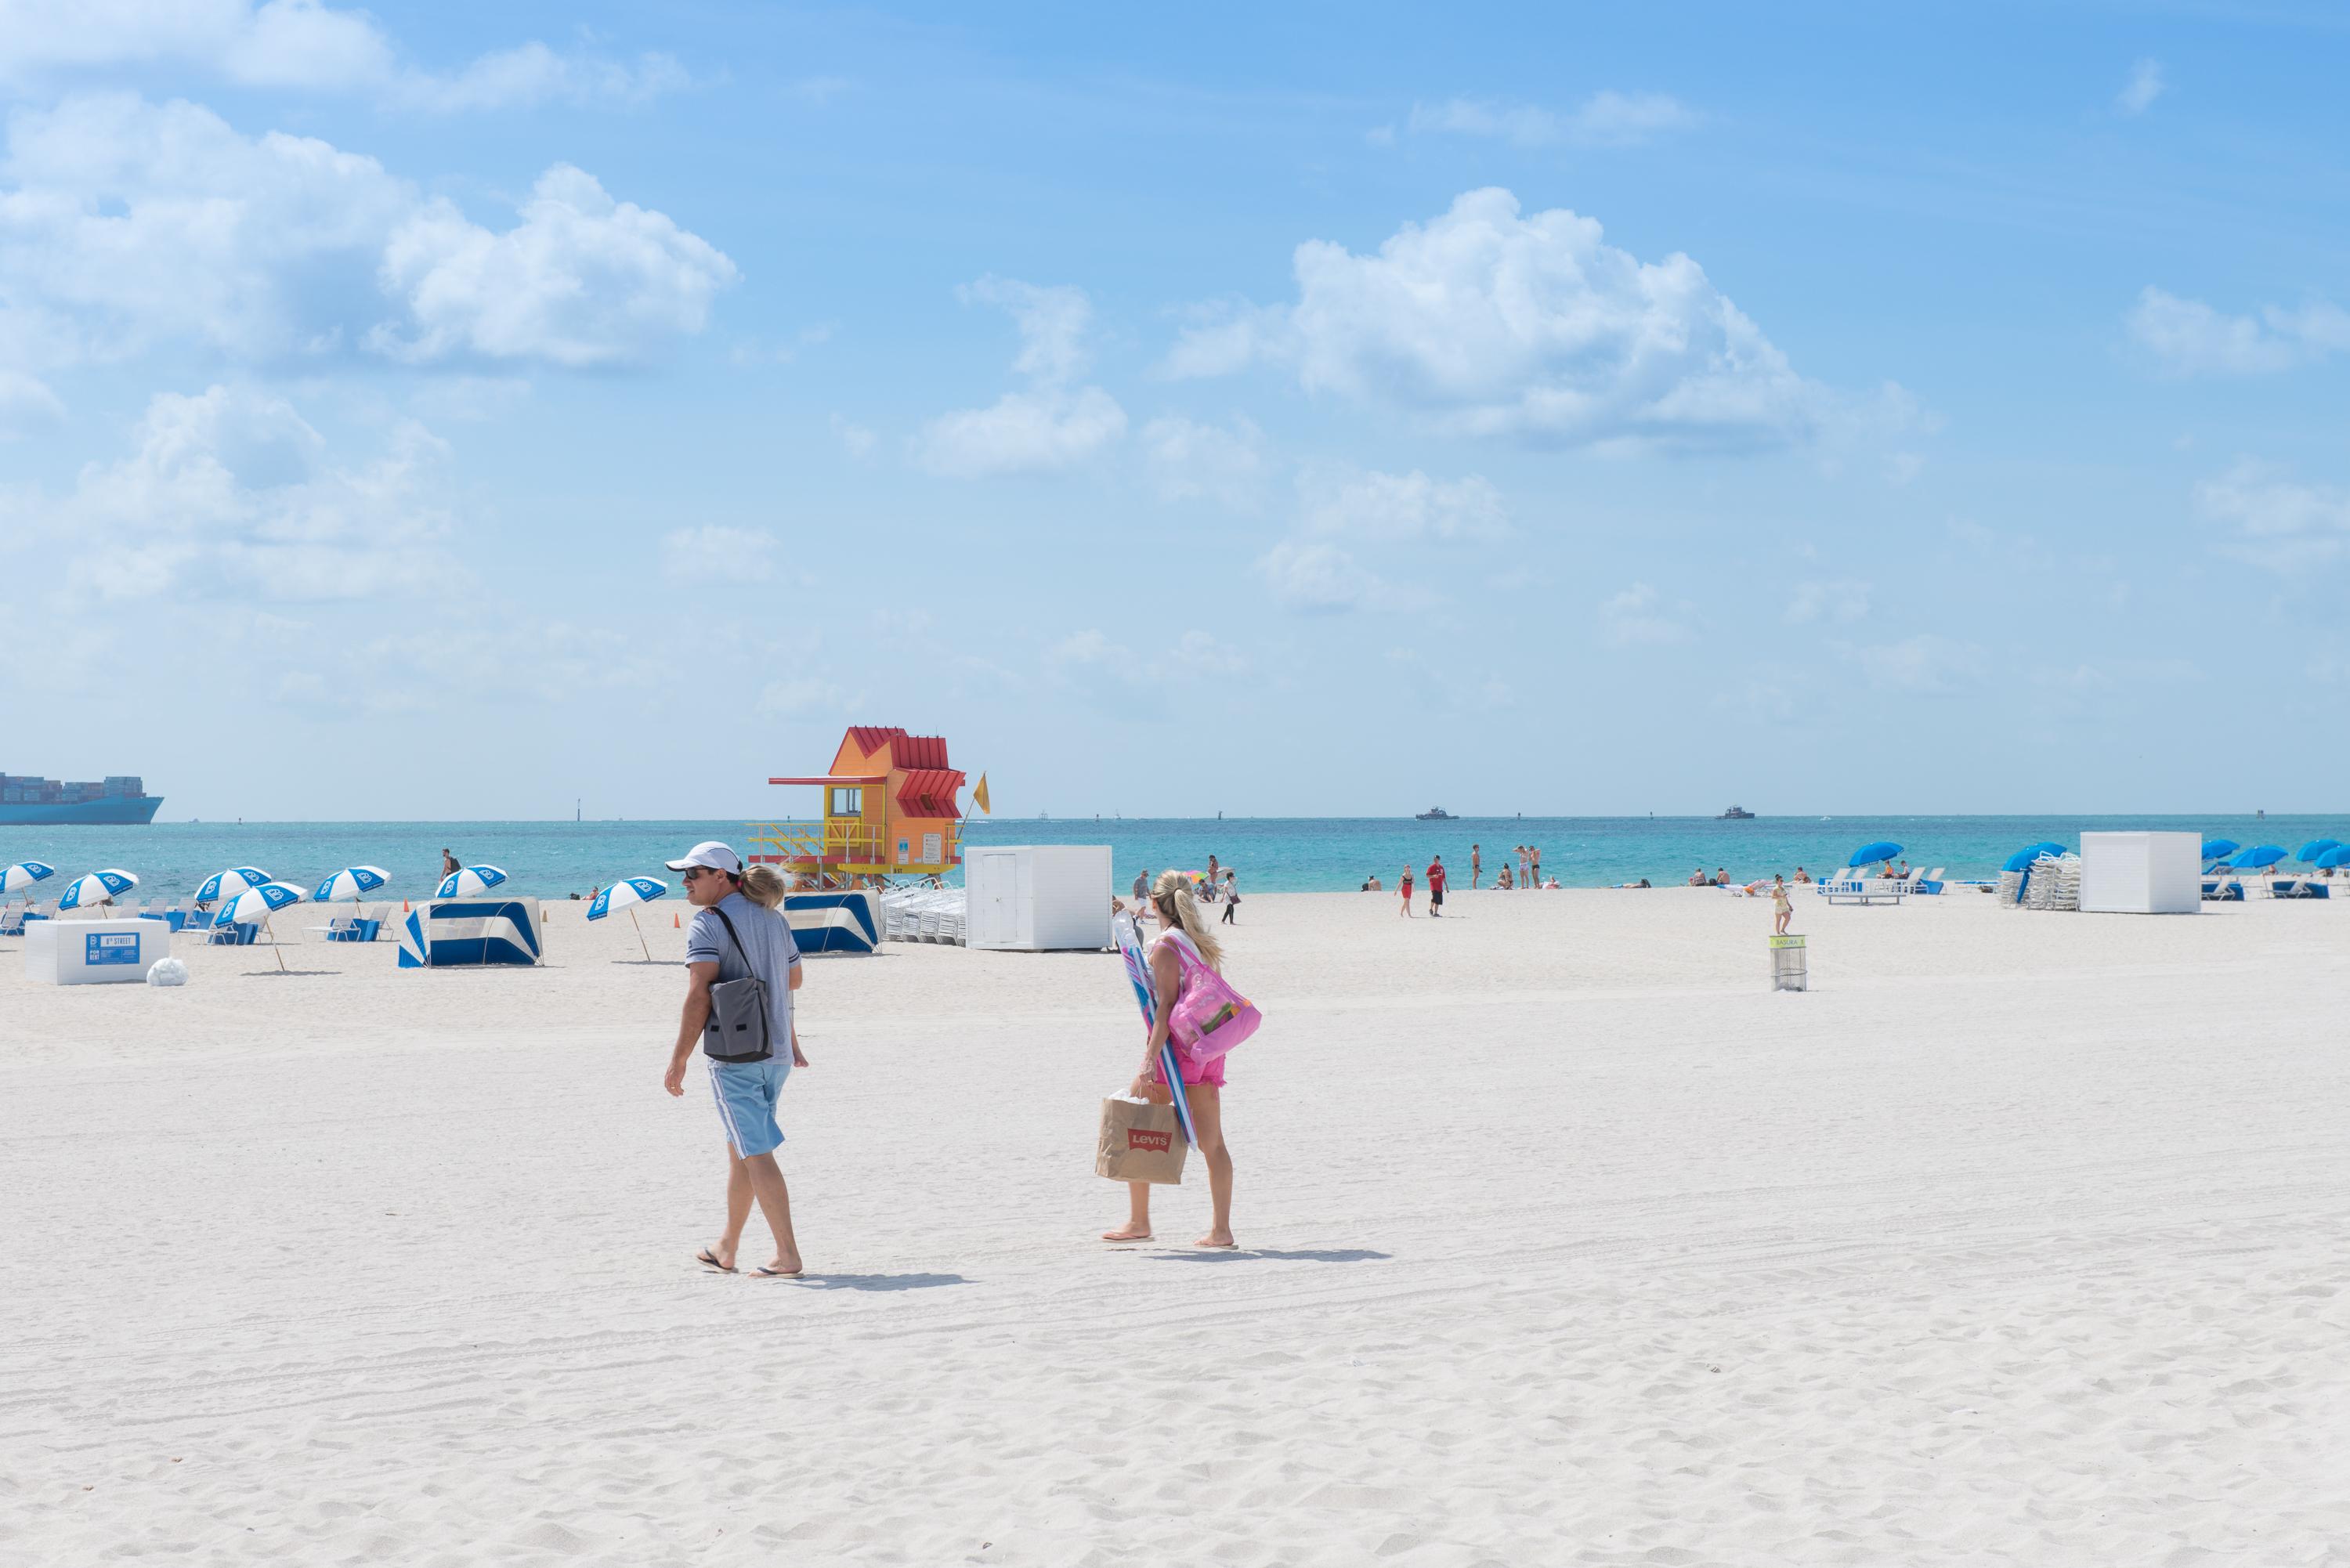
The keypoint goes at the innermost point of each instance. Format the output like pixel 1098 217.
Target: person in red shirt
pixel 1436 885
pixel 1405 887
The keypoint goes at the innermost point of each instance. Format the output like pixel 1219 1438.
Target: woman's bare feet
pixel 1125 1233
pixel 1216 1238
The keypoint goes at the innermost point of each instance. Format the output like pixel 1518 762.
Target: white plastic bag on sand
pixel 168 971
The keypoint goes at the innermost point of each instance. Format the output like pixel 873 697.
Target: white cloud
pixel 1092 652
pixel 2188 338
pixel 1638 617
pixel 1493 323
pixel 1317 577
pixel 1052 425
pixel 713 555
pixel 1187 460
pixel 1223 337
pixel 855 440
pixel 583 281
pixel 2145 85
pixel 1839 601
pixel 1374 505
pixel 1199 654
pixel 302 45
pixel 124 222
pixel 1603 119
pixel 231 495
pixel 2275 522
pixel 24 402
pixel 1924 665
pixel 1022 432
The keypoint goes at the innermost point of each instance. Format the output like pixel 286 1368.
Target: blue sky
pixel 450 411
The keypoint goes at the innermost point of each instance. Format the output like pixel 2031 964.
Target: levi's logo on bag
pixel 1154 1142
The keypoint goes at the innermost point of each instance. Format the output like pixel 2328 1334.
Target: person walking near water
pixel 1405 887
pixel 1232 896
pixel 1781 910
pixel 1435 886
pixel 1476 867
pixel 1180 920
pixel 738 935
pixel 448 864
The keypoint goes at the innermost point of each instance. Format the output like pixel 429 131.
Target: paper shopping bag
pixel 1140 1142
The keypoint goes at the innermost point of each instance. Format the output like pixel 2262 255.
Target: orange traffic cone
pixel 404 906
pixel 673 920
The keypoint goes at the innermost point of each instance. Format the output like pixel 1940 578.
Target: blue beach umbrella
pixel 22 875
pixel 468 880
pixel 98 887
pixel 351 882
pixel 2259 858
pixel 2220 849
pixel 2021 860
pixel 1877 851
pixel 2313 848
pixel 257 904
pixel 626 894
pixel 228 884
pixel 2335 858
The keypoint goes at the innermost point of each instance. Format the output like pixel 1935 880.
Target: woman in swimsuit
pixel 1405 887
pixel 1180 920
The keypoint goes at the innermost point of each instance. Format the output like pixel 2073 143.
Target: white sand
pixel 2021 1240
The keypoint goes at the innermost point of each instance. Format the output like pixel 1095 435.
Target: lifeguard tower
pixel 889 811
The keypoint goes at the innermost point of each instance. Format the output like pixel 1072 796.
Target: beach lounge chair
pixel 12 921
pixel 338 929
pixel 2301 886
pixel 2223 892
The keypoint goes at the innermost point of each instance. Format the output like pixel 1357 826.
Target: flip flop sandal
pixel 710 1258
pixel 779 1273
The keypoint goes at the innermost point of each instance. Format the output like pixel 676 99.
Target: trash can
pixel 1788 970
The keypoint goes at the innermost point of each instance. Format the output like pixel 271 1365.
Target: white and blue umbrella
pixel 98 887
pixel 352 882
pixel 256 904
pixel 228 884
pixel 468 880
pixel 626 894
pixel 22 875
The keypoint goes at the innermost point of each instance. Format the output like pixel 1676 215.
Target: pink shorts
pixel 1209 1073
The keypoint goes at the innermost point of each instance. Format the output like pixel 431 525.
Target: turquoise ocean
pixel 1273 855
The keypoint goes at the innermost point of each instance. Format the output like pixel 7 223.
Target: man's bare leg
pixel 766 1183
pixel 1138 1215
pixel 738 1210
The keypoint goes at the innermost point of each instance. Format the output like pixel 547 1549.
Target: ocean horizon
pixel 554 859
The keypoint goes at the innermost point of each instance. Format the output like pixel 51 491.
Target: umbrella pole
pixel 274 948
pixel 640 933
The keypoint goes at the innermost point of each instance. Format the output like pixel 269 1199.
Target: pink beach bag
pixel 1210 1016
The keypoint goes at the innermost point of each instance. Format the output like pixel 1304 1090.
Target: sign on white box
pixel 94 952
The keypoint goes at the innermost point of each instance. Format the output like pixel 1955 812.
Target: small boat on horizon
pixel 1736 814
pixel 1434 814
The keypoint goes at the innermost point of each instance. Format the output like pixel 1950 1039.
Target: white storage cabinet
pixel 1036 897
pixel 2142 873
pixel 94 952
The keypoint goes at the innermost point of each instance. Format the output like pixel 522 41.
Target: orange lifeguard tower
pixel 889 811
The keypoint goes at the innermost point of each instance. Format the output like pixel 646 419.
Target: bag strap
pixel 738 942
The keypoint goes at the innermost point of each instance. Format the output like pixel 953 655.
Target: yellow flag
pixel 979 795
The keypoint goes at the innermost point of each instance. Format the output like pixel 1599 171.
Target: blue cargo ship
pixel 117 800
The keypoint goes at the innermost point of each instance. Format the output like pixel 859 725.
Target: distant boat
pixel 1736 814
pixel 1435 814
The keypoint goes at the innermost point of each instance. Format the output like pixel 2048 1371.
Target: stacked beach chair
pixel 923 914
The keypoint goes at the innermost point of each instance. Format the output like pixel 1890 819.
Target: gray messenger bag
pixel 738 1030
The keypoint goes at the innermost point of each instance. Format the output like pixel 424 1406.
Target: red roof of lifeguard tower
pixel 907 825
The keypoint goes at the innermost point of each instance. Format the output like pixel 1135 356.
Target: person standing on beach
pixel 448 864
pixel 737 937
pixel 1476 867
pixel 1405 887
pixel 1534 855
pixel 1435 886
pixel 1782 911
pixel 1232 896
pixel 1180 920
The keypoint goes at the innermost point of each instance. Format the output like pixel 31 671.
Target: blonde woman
pixel 1180 920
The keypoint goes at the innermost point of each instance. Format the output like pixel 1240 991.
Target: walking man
pixel 1436 886
pixel 735 939
pixel 1476 867
pixel 448 864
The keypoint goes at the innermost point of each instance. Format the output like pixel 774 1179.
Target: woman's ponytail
pixel 1177 908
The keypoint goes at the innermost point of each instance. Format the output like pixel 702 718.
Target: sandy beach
pixel 2019 1238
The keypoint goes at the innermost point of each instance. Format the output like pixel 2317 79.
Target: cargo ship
pixel 116 801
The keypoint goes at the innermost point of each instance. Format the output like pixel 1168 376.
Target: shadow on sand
pixel 877 1282
pixel 1314 1255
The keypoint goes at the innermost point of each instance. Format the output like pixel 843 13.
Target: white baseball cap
pixel 712 854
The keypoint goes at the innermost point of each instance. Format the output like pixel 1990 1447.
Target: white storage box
pixel 94 952
pixel 1036 897
pixel 2142 873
